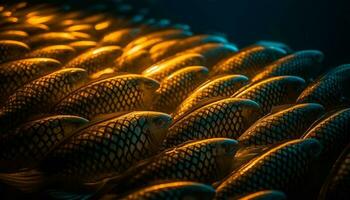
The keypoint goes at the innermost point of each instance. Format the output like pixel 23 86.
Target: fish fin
pixel 246 154
pixel 199 105
pixel 27 180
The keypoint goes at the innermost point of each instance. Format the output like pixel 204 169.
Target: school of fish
pixel 101 105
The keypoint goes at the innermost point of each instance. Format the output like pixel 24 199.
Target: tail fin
pixel 27 180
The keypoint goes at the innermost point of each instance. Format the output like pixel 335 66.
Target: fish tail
pixel 27 181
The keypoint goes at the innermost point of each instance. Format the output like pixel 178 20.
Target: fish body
pixel 176 87
pixel 279 168
pixel 13 35
pixel 224 118
pixel 11 50
pixel 305 64
pixel 116 94
pixel 248 61
pixel 82 45
pixel 15 74
pixel 273 91
pixel 29 143
pixel 174 191
pixel 120 37
pixel 223 86
pixel 50 38
pixel 40 95
pixel 108 147
pixel 133 62
pixel 332 129
pixel 95 59
pixel 164 68
pixel 284 125
pixel 62 53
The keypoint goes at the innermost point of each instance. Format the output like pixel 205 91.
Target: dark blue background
pixel 303 24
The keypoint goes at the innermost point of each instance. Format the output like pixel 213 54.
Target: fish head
pixel 77 77
pixel 251 111
pixel 312 147
pixel 224 151
pixel 293 86
pixel 149 87
pixel 71 123
pixel 157 124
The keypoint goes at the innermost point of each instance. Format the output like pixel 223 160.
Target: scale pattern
pixel 196 161
pixel 174 190
pixel 279 168
pixel 120 93
pixel 284 125
pixel 40 95
pixel 32 141
pixel 248 61
pixel 303 63
pixel 161 70
pixel 61 53
pixel 11 50
pixel 175 88
pixel 95 59
pixel 334 129
pixel 15 74
pixel 111 146
pixel 273 91
pixel 224 118
pixel 221 87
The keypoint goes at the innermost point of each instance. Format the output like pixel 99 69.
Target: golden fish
pixel 11 50
pixel 13 35
pixel 62 53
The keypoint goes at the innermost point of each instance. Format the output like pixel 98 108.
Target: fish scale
pixel 273 91
pixel 174 190
pixel 279 168
pixel 39 95
pixel 30 142
pixel 221 87
pixel 224 118
pixel 332 130
pixel 15 74
pixel 196 161
pixel 61 53
pixel 248 61
pixel 108 147
pixel 287 124
pixel 176 87
pixel 11 50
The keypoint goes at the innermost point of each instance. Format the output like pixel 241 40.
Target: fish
pixel 116 94
pixel 213 52
pixel 164 34
pixel 160 47
pixel 28 144
pixel 82 45
pixel 81 36
pixel 280 168
pixel 15 74
pixel 223 86
pixel 276 44
pixel 186 43
pixel 95 59
pixel 273 91
pixel 228 117
pixel 248 61
pixel 120 37
pixel 11 50
pixel 287 124
pixel 173 190
pixel 62 53
pixel 85 28
pixel 330 90
pixel 108 147
pixel 50 38
pixel 133 62
pixel 166 67
pixel 305 64
pixel 332 129
pixel 13 35
pixel 337 184
pixel 38 96
pixel 265 195
pixel 176 87
pixel 29 28
pixel 204 161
